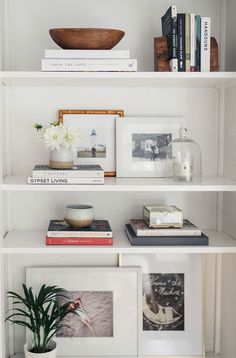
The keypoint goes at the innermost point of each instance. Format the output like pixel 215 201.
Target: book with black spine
pixel 98 228
pixel 165 240
pixel 169 29
pixel 78 171
pixel 198 43
pixel 140 228
pixel 181 42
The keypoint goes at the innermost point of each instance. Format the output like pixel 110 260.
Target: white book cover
pixel 205 44
pixel 78 171
pixel 141 229
pixel 115 54
pixel 192 43
pixel 64 181
pixel 89 65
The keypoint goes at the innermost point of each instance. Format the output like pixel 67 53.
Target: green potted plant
pixel 41 314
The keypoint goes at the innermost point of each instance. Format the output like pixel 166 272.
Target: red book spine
pixel 79 241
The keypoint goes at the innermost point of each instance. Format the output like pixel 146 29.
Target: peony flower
pixel 71 137
pixel 53 137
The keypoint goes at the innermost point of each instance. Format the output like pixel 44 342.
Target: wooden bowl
pixel 87 39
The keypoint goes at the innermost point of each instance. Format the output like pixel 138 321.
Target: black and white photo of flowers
pixel 163 302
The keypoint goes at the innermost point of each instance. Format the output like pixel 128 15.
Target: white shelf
pixel 209 183
pixel 114 79
pixel 32 242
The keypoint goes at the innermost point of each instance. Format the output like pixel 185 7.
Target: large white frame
pixel 126 286
pixel 126 166
pixel 189 342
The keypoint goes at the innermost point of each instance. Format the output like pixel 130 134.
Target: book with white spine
pixel 89 65
pixel 192 43
pixel 65 181
pixel 79 54
pixel 78 171
pixel 205 44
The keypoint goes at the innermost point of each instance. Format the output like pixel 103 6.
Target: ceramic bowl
pixel 79 216
pixel 86 38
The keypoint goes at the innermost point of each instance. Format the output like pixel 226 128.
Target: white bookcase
pixel 206 100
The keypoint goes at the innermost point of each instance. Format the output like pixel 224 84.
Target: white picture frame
pixel 124 283
pixel 97 130
pixel 141 144
pixel 187 340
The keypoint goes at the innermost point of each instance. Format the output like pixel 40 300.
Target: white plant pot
pixel 51 354
pixel 61 159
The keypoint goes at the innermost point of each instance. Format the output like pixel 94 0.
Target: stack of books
pixel 79 174
pixel 188 39
pixel 139 234
pixel 88 61
pixel 98 233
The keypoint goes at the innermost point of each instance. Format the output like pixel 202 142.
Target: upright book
pixel 78 171
pixel 98 229
pixel 192 43
pixel 187 43
pixel 169 29
pixel 181 43
pixel 164 240
pixel 205 43
pixel 198 43
pixel 86 54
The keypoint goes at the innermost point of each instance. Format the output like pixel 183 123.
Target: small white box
pixel 163 216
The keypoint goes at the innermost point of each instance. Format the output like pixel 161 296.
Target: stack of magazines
pixel 139 234
pixel 88 61
pixel 79 174
pixel 97 233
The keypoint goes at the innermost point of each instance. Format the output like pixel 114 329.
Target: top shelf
pixel 119 79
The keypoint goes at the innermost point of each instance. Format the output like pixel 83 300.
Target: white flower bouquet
pixel 57 136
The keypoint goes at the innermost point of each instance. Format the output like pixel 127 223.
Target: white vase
pixel 61 159
pixel 51 354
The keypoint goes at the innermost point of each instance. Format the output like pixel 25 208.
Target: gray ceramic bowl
pixel 79 216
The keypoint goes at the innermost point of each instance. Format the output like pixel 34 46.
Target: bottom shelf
pixel 208 355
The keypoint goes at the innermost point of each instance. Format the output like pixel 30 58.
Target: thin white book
pixel 78 171
pixel 205 44
pixel 141 229
pixel 89 65
pixel 193 42
pixel 65 181
pixel 86 54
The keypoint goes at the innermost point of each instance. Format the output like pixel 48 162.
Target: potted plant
pixel 41 314
pixel 62 141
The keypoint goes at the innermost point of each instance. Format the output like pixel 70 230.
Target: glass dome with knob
pixel 183 159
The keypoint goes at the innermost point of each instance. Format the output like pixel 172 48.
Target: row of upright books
pixel 88 61
pixel 188 39
pixel 79 174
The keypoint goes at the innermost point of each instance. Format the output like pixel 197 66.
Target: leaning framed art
pixel 110 298
pixel 141 144
pixel 173 313
pixel 97 131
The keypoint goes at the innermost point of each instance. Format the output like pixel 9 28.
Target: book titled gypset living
pixel 78 171
pixel 140 228
pixel 165 240
pixel 98 228
pixel 65 181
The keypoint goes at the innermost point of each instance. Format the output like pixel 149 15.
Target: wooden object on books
pixel 214 55
pixel 161 59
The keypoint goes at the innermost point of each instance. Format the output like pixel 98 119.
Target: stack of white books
pixel 88 61
pixel 79 174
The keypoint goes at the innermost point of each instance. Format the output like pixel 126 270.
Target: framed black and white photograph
pixel 105 305
pixel 97 136
pixel 172 307
pixel 142 144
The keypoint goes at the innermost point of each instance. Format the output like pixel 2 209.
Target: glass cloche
pixel 184 159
